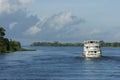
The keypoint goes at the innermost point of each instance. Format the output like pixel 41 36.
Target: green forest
pixel 7 45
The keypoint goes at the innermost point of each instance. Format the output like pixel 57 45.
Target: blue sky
pixel 60 20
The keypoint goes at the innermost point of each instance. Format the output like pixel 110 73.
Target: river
pixel 59 63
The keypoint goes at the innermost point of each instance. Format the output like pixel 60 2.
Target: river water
pixel 59 63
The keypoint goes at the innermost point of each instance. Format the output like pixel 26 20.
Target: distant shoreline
pixel 59 44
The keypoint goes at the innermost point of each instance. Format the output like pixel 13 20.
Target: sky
pixel 30 21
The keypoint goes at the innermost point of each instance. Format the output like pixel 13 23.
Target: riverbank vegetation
pixel 109 44
pixel 8 45
pixel 56 43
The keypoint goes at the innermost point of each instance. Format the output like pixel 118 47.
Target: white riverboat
pixel 92 49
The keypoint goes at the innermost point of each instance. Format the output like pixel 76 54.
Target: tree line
pixel 56 43
pixel 7 45
pixel 110 44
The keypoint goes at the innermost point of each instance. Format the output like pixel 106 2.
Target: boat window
pixel 90 52
pixel 95 51
pixel 91 41
pixel 97 46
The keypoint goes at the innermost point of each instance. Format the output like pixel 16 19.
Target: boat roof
pixel 92 41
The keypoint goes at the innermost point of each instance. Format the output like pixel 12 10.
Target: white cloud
pixel 62 20
pixel 12 25
pixel 32 30
pixel 10 6
pixel 26 1
pixel 54 23
pixel 4 6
